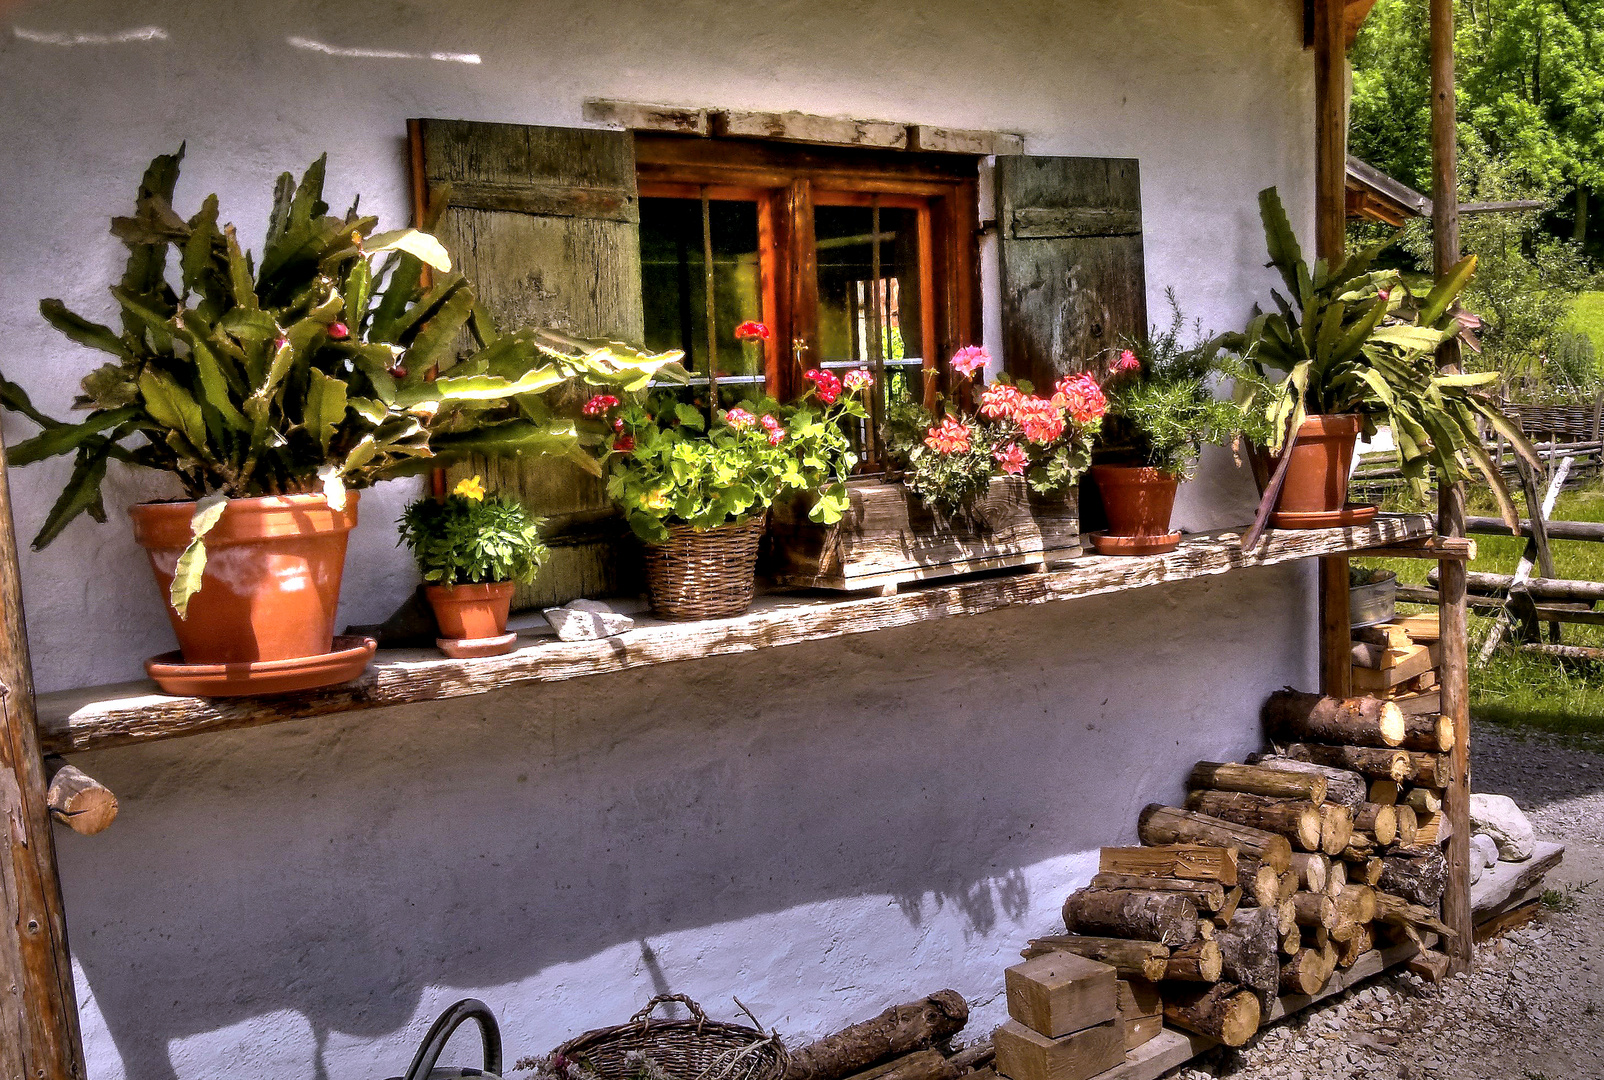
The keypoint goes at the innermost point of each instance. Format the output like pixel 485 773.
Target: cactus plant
pixel 331 363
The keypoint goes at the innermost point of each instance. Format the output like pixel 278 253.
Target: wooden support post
pixel 1330 230
pixel 1454 671
pixel 39 1038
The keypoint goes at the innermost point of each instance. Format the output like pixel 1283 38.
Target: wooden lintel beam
pixel 1435 548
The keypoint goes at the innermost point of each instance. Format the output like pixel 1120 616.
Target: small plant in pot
pixel 272 390
pixel 697 493
pixel 1357 349
pixel 473 550
pixel 1162 411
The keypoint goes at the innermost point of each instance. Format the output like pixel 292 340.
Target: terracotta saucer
pixel 1104 544
pixel 1352 514
pixel 348 659
pixel 467 648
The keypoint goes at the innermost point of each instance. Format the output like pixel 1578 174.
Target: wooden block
pixel 1023 1054
pixel 1380 658
pixel 1426 680
pixel 1061 993
pixel 1138 997
pixel 1430 965
pixel 1422 627
pixel 1420 704
pixel 637 116
pixel 1386 636
pixel 1409 663
pixel 1141 1029
pixel 1190 862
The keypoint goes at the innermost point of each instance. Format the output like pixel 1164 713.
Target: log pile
pixel 1272 875
pixel 1398 661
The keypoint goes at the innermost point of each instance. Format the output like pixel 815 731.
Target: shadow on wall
pixel 880 801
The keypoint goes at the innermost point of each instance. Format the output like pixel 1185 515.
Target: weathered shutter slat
pixel 545 223
pixel 1073 280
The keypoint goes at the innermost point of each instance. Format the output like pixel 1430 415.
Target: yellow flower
pixel 470 489
pixel 657 500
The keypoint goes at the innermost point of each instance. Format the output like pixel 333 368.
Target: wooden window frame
pixel 787 181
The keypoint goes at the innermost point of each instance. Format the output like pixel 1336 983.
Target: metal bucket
pixel 1374 603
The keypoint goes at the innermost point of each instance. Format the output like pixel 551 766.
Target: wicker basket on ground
pixel 694 1049
pixel 706 574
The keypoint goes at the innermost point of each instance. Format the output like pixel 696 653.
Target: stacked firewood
pixel 1276 872
pixel 1398 660
pixel 906 1042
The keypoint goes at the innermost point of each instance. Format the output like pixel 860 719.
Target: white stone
pixel 1483 850
pixel 1506 823
pixel 574 623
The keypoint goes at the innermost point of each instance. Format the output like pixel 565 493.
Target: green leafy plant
pixel 328 364
pixel 671 467
pixel 470 538
pixel 950 459
pixel 1161 404
pixel 1350 339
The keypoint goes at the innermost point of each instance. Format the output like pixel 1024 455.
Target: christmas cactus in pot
pixel 1357 349
pixel 1162 412
pixel 273 390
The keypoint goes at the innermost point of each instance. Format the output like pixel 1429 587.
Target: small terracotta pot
pixel 470 612
pixel 1317 477
pixel 272 578
pixel 1138 500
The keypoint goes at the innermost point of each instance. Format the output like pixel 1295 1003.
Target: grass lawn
pixel 1587 317
pixel 1520 689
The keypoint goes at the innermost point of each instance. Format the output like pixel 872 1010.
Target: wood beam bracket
pixel 1435 548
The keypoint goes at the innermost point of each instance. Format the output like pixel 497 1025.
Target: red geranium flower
pixel 1127 361
pixel 951 436
pixel 1084 399
pixel 1012 458
pixel 600 404
pixel 1041 420
pixel 624 443
pixel 828 386
pixel 339 331
pixel 752 330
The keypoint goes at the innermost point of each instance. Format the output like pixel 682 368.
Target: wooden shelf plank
pixel 1504 880
pixel 97 718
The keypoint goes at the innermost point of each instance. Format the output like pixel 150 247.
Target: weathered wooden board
pixel 1073 279
pixel 545 223
pixel 1503 880
pixel 890 537
pixel 99 717
pixel 807 128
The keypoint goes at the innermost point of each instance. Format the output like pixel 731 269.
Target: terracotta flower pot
pixel 471 612
pixel 1317 477
pixel 1138 501
pixel 272 578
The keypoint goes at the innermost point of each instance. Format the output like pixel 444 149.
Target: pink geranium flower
pixel 859 379
pixel 1082 398
pixel 951 436
pixel 739 418
pixel 1011 457
pixel 827 385
pixel 775 429
pixel 1127 361
pixel 1041 420
pixel 600 405
pixel 970 359
pixel 999 400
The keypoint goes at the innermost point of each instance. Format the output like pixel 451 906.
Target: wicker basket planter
pixel 889 537
pixel 705 574
pixel 695 1049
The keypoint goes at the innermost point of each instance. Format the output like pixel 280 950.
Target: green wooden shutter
pixel 1071 253
pixel 545 222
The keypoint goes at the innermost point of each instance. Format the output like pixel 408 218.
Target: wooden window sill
pixel 98 718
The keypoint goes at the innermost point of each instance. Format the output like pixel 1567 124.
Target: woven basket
pixel 704 575
pixel 695 1049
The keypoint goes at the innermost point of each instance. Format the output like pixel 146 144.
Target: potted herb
pixel 1162 411
pixel 473 550
pixel 698 493
pixel 272 389
pixel 1357 348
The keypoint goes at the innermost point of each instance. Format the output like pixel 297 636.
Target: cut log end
pixel 1224 1012
pixel 78 801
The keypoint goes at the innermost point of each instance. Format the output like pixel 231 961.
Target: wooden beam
pixel 39 1036
pixel 1432 547
pixel 1454 672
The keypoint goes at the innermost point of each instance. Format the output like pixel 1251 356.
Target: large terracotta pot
pixel 1317 477
pixel 272 579
pixel 1137 499
pixel 471 612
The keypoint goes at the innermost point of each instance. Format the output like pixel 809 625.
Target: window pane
pixel 674 282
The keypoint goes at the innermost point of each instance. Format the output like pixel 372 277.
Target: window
pixel 853 258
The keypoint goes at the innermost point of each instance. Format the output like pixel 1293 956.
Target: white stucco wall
pixel 821 830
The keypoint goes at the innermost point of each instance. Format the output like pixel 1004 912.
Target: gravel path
pixel 1533 1007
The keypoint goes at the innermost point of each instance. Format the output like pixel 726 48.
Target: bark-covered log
pixel 1248 949
pixel 1336 827
pixel 1419 879
pixel 1260 882
pixel 1189 862
pixel 1255 780
pixel 1433 733
pixel 919 1065
pixel 1314 909
pixel 1365 760
pixel 1209 896
pixel 899 1030
pixel 1396 911
pixel 1135 959
pixel 78 801
pixel 1343 786
pixel 1224 1012
pixel 1143 916
pixel 977 1055
pixel 1359 721
pixel 1378 823
pixel 1360 942
pixel 1306 973
pixel 1364 870
pixel 1170 825
pixel 1233 899
pixel 1424 800
pixel 1313 870
pixel 1198 962
pixel 1296 819
pixel 1432 770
